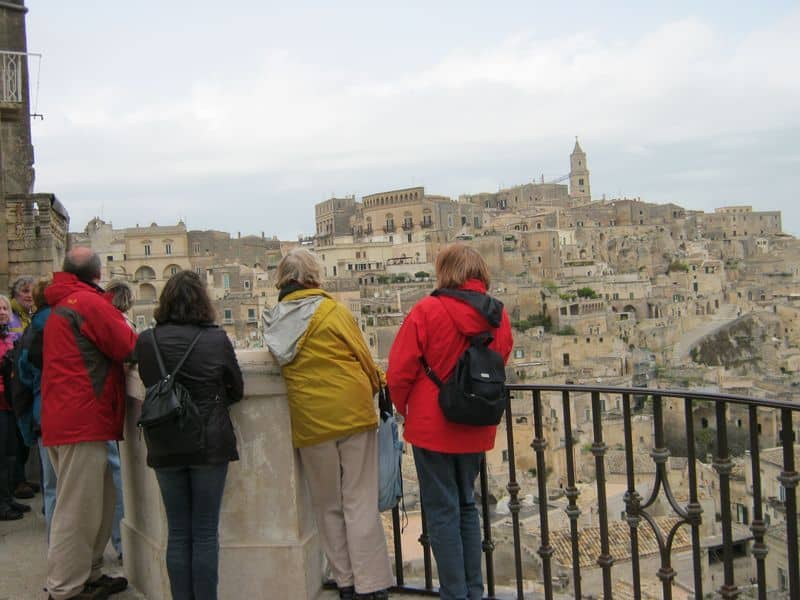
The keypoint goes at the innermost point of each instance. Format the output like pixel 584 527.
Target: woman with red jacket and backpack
pixel 448 455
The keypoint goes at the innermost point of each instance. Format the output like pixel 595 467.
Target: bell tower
pixel 579 189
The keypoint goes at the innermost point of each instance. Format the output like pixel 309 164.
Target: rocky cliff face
pixel 746 345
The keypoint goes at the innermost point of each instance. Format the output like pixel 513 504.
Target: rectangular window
pixel 168 249
pixel 566 359
pixel 110 258
pixel 505 455
pixel 519 353
pixel 140 322
pixel 251 315
pixel 246 283
pixel 197 248
pixel 228 315
pixel 226 281
pixel 147 249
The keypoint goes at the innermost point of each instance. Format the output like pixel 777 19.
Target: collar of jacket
pixel 305 293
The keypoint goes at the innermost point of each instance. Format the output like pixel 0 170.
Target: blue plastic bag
pixel 390 456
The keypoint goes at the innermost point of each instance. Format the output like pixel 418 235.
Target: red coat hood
pixel 65 284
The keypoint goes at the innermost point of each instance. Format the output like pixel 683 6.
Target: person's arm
pixel 354 339
pixel 107 329
pixel 231 373
pixel 404 361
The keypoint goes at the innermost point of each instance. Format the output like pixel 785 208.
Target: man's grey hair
pixel 20 283
pixel 84 264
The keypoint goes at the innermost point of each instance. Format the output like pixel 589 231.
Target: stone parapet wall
pixel 269 546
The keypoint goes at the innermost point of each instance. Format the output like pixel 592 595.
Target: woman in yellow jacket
pixel 331 380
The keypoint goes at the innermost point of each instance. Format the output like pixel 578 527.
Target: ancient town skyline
pixel 270 123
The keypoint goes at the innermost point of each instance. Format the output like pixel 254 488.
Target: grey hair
pixel 122 295
pixel 20 283
pixel 301 266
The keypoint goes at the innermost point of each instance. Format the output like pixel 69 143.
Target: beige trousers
pixel 342 476
pixel 82 519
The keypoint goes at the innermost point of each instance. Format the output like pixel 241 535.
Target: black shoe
pixel 9 514
pixel 112 585
pixel 347 593
pixel 23 491
pixel 19 507
pixel 34 486
pixel 380 595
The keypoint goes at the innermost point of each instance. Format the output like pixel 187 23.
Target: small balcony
pixel 11 65
pixel 426 224
pixel 389 228
pixel 408 225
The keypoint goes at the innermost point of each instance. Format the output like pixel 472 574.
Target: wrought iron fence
pixel 638 509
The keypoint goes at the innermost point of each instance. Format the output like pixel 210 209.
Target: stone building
pixel 333 219
pixel 730 222
pixel 33 239
pixel 579 188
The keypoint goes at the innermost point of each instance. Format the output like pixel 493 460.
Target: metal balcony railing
pixel 639 519
pixel 11 76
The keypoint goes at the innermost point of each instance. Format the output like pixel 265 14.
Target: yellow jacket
pixel 330 375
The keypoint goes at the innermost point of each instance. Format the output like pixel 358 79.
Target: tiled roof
pixel 615 463
pixel 622 590
pixel 775 456
pixel 619 541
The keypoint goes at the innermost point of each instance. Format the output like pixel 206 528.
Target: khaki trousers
pixel 342 477
pixel 82 519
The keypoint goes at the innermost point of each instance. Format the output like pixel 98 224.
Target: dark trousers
pixel 8 448
pixel 23 452
pixel 192 498
pixel 446 486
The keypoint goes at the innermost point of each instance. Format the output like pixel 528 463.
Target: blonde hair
pixel 300 266
pixel 457 263
pixel 4 298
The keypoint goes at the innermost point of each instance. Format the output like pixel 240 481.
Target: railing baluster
pixel 788 479
pixel 572 493
pixel 724 466
pixel 605 560
pixel 632 498
pixel 757 526
pixel 693 510
pixel 660 454
pixel 539 445
pixel 487 545
pixel 398 546
pixel 426 549
pixel 513 502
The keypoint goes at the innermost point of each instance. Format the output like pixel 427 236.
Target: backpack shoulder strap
pixel 160 360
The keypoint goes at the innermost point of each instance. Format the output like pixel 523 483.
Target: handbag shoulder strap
pixel 160 360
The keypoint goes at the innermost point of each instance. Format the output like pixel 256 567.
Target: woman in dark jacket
pixel 192 483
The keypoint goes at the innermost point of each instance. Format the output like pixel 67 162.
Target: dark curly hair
pixel 184 299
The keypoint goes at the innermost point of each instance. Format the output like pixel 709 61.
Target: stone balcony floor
pixel 23 561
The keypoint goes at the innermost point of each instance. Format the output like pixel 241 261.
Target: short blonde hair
pixel 457 263
pixel 4 300
pixel 299 266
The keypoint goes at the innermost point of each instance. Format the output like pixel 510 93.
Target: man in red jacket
pixel 86 341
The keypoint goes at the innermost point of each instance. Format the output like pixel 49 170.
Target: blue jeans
pixel 119 512
pixel 192 499
pixel 48 485
pixel 446 486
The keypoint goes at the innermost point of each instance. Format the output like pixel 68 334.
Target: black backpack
pixel 171 421
pixel 475 394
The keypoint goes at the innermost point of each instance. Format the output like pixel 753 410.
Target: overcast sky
pixel 241 116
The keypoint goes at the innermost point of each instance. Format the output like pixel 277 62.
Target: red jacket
pixel 437 328
pixel 83 382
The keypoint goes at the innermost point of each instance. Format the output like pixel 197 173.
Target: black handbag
pixel 170 420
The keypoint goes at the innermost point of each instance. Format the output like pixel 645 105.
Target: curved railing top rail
pixel 663 393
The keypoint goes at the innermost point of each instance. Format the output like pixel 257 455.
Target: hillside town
pixel 618 292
